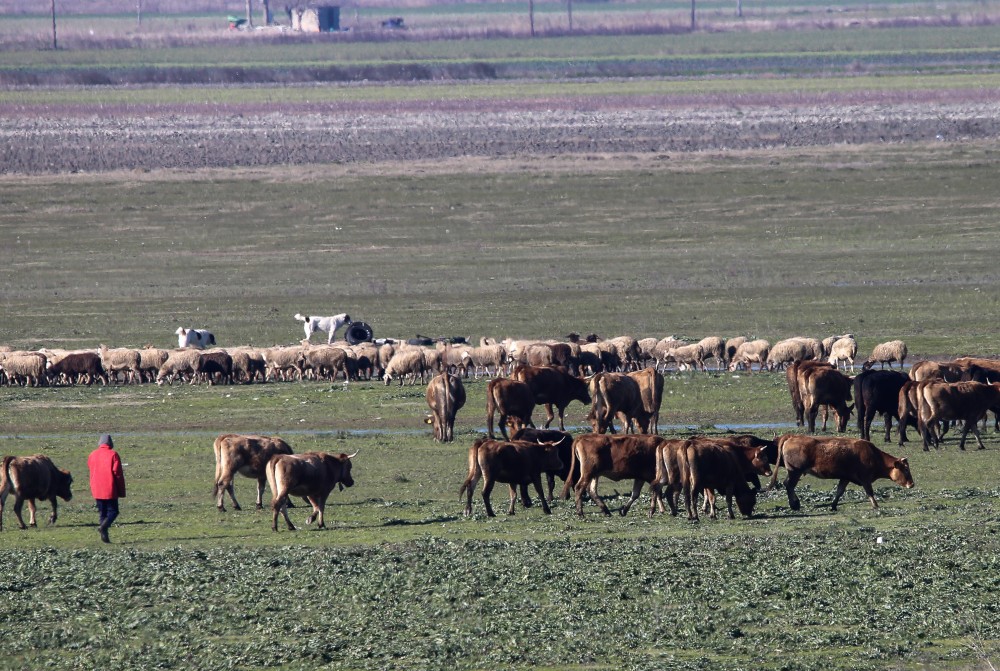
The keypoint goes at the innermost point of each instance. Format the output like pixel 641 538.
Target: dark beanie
pixel 106 440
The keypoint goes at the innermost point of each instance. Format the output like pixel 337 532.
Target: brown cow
pixel 844 459
pixel 564 444
pixel 617 394
pixel 312 475
pixel 246 455
pixel 616 458
pixel 445 397
pixel 512 399
pixel 553 387
pixel 650 383
pixel 668 471
pixel 33 478
pixel 944 401
pixel 709 465
pixel 796 376
pixel 513 462
pixel 826 387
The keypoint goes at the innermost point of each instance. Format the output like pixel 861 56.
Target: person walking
pixel 107 482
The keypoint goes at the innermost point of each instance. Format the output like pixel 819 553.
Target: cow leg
pixel 280 505
pixel 261 481
pixel 597 499
pixel 525 497
pixel 710 507
pixel 55 510
pixel 550 415
pixel 503 426
pixel 826 416
pixel 562 417
pixel 537 482
pixel 550 480
pixel 487 489
pixel 18 506
pixel 790 481
pixel 841 487
pixel 319 508
pixel 871 495
pixel 231 488
pixel 888 426
pixel 468 488
pixel 513 497
pixel 811 419
pixel 636 491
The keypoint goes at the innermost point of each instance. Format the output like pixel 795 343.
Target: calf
pixel 616 458
pixel 827 387
pixel 246 455
pixel 844 459
pixel 650 383
pixel 33 478
pixel 512 399
pixel 312 475
pixel 513 462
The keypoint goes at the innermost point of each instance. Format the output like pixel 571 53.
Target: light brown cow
pixel 445 397
pixel 650 383
pixel 553 387
pixel 826 387
pixel 31 478
pixel 844 459
pixel 617 394
pixel 247 455
pixel 312 475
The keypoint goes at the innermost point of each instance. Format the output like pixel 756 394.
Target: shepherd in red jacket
pixel 107 482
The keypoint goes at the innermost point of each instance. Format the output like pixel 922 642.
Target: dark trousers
pixel 108 509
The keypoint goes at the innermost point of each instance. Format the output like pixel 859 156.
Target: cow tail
pixel 572 469
pixel 778 462
pixel 5 483
pixel 491 406
pixel 473 469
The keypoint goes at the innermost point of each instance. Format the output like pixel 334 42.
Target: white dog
pixel 328 324
pixel 199 338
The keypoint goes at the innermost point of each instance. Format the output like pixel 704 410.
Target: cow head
pixel 760 462
pixel 900 473
pixel 745 501
pixel 550 460
pixel 62 481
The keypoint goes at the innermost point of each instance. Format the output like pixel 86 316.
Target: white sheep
pixel 123 360
pixel 179 363
pixel 714 347
pixel 409 361
pixel 26 368
pixel 886 353
pixel 330 325
pixel 749 353
pixel 844 349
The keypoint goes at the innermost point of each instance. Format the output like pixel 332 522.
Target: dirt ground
pixel 40 141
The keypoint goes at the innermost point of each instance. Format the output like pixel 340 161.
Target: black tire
pixel 358 332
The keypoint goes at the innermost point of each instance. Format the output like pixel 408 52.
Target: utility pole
pixel 250 13
pixel 692 15
pixel 569 11
pixel 55 44
pixel 531 16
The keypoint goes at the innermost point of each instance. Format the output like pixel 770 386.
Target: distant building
pixel 316 19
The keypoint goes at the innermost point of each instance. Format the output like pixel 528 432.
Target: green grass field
pixel 884 242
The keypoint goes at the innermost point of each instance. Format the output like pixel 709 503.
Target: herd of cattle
pixel 619 383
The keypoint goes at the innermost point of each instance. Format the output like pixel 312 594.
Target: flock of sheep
pixel 390 360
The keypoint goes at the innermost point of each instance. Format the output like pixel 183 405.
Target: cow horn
pixel 351 456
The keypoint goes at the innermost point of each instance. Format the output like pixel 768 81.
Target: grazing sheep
pixel 886 353
pixel 749 353
pixel 281 362
pixel 714 347
pixel 326 361
pixel 150 360
pixel 661 349
pixel 215 366
pixel 248 365
pixel 687 355
pixel 627 349
pixel 199 338
pixel 120 360
pixel 732 345
pixel 77 367
pixel 646 347
pixel 409 361
pixel 329 324
pixel 24 368
pixel 486 357
pixel 788 351
pixel 180 363
pixel 453 359
pixel 844 349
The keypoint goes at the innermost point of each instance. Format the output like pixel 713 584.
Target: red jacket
pixel 107 481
